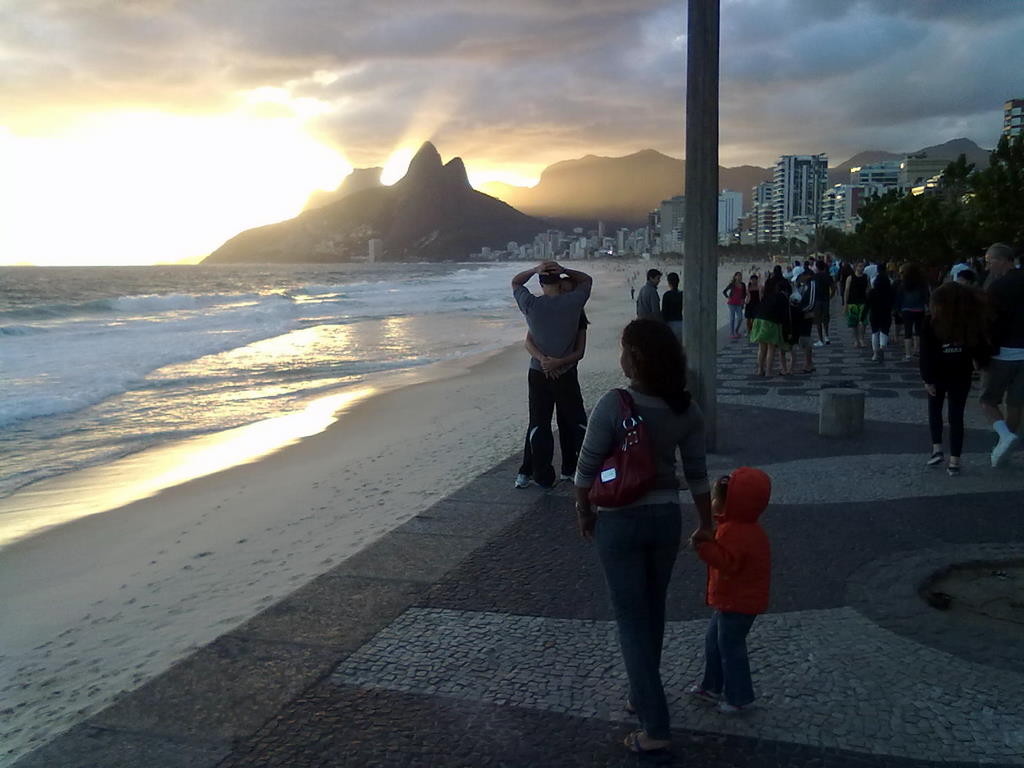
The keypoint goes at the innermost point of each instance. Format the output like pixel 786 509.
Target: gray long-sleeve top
pixel 668 431
pixel 647 303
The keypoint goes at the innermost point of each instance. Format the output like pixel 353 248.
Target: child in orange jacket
pixel 739 575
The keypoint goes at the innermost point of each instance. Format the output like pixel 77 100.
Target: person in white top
pixel 959 267
pixel 1004 378
pixel 871 270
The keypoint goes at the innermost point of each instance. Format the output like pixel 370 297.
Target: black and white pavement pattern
pixel 480 633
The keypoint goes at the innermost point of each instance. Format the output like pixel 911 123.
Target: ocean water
pixel 97 363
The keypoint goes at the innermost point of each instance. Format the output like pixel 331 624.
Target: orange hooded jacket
pixel 739 559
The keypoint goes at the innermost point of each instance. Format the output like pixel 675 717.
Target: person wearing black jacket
pixel 953 341
pixel 880 301
pixel 672 306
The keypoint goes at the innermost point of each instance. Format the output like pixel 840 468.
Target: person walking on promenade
pixel 637 544
pixel 845 273
pixel 825 288
pixel 553 319
pixel 735 295
pixel 738 557
pixel 672 306
pixel 647 303
pixel 911 302
pixel 953 340
pixel 1005 375
pixel 855 294
pixel 768 329
pixel 776 276
pixel 880 301
pixel 805 299
pixel 753 300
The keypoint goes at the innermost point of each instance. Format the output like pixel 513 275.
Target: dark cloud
pixel 531 81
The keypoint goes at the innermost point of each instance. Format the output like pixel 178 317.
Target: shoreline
pixel 56 501
pixel 103 603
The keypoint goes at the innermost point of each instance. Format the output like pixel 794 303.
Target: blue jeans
pixel 735 318
pixel 726 666
pixel 637 547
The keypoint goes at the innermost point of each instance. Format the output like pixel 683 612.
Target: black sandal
pixel 632 742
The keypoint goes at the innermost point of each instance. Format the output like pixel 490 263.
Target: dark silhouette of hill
pixel 949 150
pixel 614 189
pixel 431 214
pixel 357 181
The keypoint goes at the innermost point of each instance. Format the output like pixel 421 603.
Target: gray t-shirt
pixel 669 431
pixel 554 321
pixel 647 303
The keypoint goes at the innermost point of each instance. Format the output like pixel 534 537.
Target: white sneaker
pixel 1002 448
pixel 567 478
pixel 699 693
pixel 523 481
pixel 819 344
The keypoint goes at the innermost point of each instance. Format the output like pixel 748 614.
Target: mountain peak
pixel 455 173
pixel 427 154
pixel 425 165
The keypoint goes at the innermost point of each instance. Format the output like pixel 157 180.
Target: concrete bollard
pixel 841 412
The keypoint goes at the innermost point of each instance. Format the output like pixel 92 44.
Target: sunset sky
pixel 137 131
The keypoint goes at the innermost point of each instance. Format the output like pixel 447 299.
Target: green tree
pixel 997 199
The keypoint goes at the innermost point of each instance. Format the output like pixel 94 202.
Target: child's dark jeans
pixel 726 667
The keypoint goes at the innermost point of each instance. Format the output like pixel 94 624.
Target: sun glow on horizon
pixel 147 187
pixel 397 165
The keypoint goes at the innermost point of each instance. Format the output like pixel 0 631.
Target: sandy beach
pixel 97 606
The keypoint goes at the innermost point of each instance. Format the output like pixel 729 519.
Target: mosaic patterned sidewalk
pixel 480 633
pixel 829 679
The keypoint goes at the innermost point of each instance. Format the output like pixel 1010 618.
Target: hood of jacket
pixel 749 493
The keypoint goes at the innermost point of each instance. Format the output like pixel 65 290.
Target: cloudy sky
pixel 239 93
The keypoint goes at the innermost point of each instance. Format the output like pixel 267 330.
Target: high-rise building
pixel 730 209
pixel 376 252
pixel 916 170
pixel 884 174
pixel 763 196
pixel 1013 117
pixel 673 219
pixel 799 182
pixel 841 204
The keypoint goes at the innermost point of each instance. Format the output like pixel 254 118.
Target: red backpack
pixel 629 471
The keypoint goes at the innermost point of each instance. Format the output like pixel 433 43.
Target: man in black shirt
pixel 1004 378
pixel 825 290
pixel 672 306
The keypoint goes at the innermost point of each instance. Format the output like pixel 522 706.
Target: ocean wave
pixel 20 330
pixel 147 304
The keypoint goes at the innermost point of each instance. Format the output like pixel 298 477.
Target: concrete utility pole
pixel 700 242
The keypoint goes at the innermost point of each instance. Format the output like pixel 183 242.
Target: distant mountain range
pixel 624 189
pixel 357 181
pixel 950 150
pixel 431 214
pixel 614 189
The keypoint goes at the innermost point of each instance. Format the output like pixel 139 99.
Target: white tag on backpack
pixel 608 475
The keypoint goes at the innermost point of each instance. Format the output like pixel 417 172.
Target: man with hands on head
pixel 553 319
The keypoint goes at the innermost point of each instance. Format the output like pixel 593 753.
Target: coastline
pixel 105 602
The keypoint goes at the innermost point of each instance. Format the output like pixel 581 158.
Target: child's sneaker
pixel 728 709
pixel 699 693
